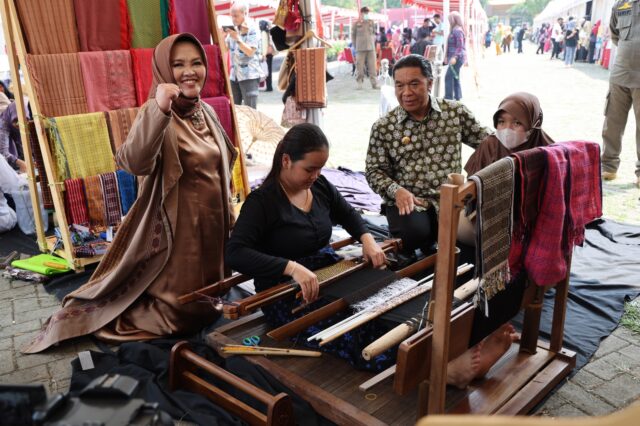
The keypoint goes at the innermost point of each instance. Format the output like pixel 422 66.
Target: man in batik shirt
pixel 413 148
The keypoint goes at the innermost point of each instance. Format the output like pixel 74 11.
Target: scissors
pixel 251 341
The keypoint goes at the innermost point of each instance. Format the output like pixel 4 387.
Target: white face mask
pixel 509 138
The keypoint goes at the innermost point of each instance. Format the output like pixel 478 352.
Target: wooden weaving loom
pixel 514 385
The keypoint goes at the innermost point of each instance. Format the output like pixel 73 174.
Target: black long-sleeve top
pixel 270 230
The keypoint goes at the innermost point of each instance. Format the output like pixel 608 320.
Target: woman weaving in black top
pixel 284 229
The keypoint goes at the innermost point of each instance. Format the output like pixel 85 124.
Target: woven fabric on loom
pixel 108 80
pixel 193 17
pixel 95 201
pixel 47 199
pixel 85 140
pixel 329 272
pixel 57 80
pixel 214 86
pixel 146 22
pixel 119 123
pixel 127 188
pixel 493 224
pixel 102 24
pixel 113 214
pixel 222 107
pixel 311 68
pixel 75 202
pixel 360 284
pixel 49 26
pixel 142 73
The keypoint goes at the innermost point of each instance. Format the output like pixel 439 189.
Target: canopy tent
pixel 600 10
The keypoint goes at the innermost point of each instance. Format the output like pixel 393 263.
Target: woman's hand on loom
pixel 406 201
pixel 165 94
pixel 307 279
pixel 372 252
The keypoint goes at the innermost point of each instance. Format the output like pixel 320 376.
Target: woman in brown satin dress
pixel 171 241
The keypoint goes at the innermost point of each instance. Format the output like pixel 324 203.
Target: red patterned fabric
pixel 108 80
pixel 75 202
pixel 111 198
pixel 142 72
pixel 47 198
pixel 102 24
pixel 192 17
pixel 222 107
pixel 95 201
pixel 311 69
pixel 214 86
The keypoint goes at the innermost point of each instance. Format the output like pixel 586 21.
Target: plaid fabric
pixel 110 32
pixel 57 80
pixel 49 26
pixel 311 69
pixel 95 201
pixel 75 202
pixel 493 224
pixel 142 73
pixel 111 198
pixel 85 140
pixel 214 86
pixel 128 190
pixel 193 17
pixel 146 22
pixel 108 80
pixel 119 124
pixel 47 199
pixel 222 107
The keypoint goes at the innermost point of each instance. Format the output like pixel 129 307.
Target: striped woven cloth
pixel 214 86
pixel 85 142
pixel 128 189
pixel 95 201
pixel 75 202
pixel 102 24
pixel 49 26
pixel 108 80
pixel 146 19
pixel 142 73
pixel 119 123
pixel 311 69
pixel 193 17
pixel 47 199
pixel 113 213
pixel 57 80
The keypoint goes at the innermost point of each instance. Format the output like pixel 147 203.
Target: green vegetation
pixel 528 9
pixel 374 5
pixel 631 317
pixel 337 47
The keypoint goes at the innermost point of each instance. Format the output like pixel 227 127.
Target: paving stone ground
pixel 572 100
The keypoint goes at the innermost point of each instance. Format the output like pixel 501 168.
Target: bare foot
pixel 494 346
pixel 463 369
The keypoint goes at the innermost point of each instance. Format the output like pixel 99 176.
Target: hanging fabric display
pixel 142 74
pixel 102 25
pixel 113 214
pixel 214 86
pixel 47 199
pixel 222 107
pixel 281 13
pixel 75 202
pixel 146 22
pixel 127 189
pixel 293 23
pixel 49 26
pixel 95 201
pixel 119 123
pixel 311 68
pixel 108 80
pixel 192 17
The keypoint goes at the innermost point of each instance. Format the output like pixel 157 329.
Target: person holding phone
pixel 243 42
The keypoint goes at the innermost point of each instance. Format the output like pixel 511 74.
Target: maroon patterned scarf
pixel 111 198
pixel 75 202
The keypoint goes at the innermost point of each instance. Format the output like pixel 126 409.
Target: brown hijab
pixel 526 108
pixel 163 73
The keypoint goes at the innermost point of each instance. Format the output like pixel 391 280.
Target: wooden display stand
pixel 515 384
pixel 17 51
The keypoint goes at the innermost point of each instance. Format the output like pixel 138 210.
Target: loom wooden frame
pixel 17 51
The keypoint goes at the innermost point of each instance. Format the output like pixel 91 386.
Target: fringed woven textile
pixel 85 142
pixel 192 17
pixel 49 26
pixel 119 123
pixel 311 68
pixel 57 80
pixel 493 224
pixel 113 214
pixel 47 199
pixel 108 80
pixel 222 107
pixel 146 22
pixel 142 73
pixel 75 202
pixel 102 24
pixel 128 189
pixel 214 86
pixel 95 201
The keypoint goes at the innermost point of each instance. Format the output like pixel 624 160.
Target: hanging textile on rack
pixel 119 123
pixel 57 82
pixel 193 17
pixel 146 19
pixel 47 199
pixel 214 86
pixel 113 214
pixel 222 107
pixel 127 188
pixel 49 26
pixel 102 25
pixel 75 202
pixel 311 68
pixel 85 140
pixel 95 201
pixel 108 80
pixel 142 73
